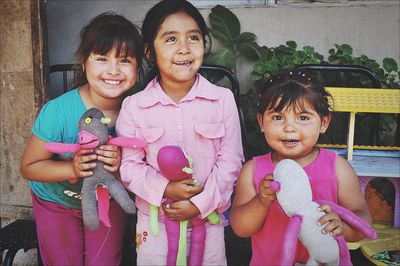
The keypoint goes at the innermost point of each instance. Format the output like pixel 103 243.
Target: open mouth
pixel 90 145
pixel 183 63
pixel 290 142
pixel 112 82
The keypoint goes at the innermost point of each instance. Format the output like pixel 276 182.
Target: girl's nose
pixel 113 68
pixel 288 127
pixel 183 47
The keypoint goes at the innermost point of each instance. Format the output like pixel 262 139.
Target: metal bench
pixel 20 234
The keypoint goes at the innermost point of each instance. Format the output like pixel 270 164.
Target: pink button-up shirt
pixel 205 123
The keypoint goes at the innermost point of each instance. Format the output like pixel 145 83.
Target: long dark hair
pixel 103 33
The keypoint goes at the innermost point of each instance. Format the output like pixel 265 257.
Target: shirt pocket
pixel 154 138
pixel 208 138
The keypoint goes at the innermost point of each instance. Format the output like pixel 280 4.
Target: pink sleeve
pixel 219 185
pixel 138 176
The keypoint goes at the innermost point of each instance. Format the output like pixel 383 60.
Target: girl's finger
pixel 87 158
pixel 84 174
pixel 111 169
pixel 108 154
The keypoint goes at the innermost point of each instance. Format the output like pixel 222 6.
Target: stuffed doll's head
pixel 295 191
pixel 93 130
pixel 172 163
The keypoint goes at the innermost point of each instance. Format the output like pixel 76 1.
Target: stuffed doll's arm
pixel 56 147
pixel 290 240
pixel 128 142
pixel 229 158
pixel 36 158
pixel 349 217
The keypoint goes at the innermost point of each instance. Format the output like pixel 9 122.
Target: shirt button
pixel 180 127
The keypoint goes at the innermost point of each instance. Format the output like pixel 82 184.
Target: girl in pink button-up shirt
pixel 180 107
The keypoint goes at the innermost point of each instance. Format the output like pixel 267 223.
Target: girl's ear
pixel 83 67
pixel 325 123
pixel 147 53
pixel 260 121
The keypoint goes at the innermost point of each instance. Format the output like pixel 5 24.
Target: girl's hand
pixel 266 195
pixel 182 190
pixel 334 225
pixel 82 163
pixel 111 156
pixel 181 210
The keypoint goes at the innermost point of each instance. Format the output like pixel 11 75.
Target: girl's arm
pixel 219 185
pixel 37 163
pixel 349 197
pixel 250 209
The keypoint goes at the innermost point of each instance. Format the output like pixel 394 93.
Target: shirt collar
pixel 202 88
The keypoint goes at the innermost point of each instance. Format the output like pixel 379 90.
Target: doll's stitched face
pixel 92 129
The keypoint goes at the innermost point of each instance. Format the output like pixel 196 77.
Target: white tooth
pixel 112 82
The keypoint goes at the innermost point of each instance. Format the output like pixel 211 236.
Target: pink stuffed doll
pixel 93 132
pixel 175 165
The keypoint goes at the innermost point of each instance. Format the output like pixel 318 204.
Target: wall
pixel 372 29
pixel 21 95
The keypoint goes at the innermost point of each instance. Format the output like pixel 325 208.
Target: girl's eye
pixel 101 59
pixel 125 61
pixel 170 39
pixel 304 118
pixel 194 38
pixel 276 117
pixel 88 120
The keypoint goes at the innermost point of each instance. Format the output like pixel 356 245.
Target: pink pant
pixel 152 250
pixel 64 240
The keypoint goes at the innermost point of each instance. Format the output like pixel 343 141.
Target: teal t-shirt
pixel 58 122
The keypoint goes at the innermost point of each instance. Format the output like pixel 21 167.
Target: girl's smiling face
pixel 179 49
pixel 110 76
pixel 292 132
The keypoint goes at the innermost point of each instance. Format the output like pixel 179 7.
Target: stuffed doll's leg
pixel 103 246
pixel 60 232
pixel 197 242
pixel 173 233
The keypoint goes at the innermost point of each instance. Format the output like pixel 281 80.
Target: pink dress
pixel 267 243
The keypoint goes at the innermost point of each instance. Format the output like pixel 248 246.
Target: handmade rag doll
pixel 295 197
pixel 93 132
pixel 175 165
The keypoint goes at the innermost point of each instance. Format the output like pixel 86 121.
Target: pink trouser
pixel 64 240
pixel 152 250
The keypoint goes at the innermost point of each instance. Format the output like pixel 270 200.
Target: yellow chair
pixel 362 100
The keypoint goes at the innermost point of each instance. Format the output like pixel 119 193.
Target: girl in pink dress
pixel 292 113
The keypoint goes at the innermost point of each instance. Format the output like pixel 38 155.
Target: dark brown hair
pixel 103 33
pixel 292 89
pixel 157 15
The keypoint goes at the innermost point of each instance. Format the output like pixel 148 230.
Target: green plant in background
pixel 225 27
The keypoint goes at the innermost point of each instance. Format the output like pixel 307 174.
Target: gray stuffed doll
pixel 93 132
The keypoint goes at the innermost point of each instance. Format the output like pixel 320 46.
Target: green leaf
pixel 308 50
pixel 246 37
pixel 347 49
pixel 255 76
pixel 389 65
pixel 291 44
pixel 224 57
pixel 225 26
pixel 250 50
